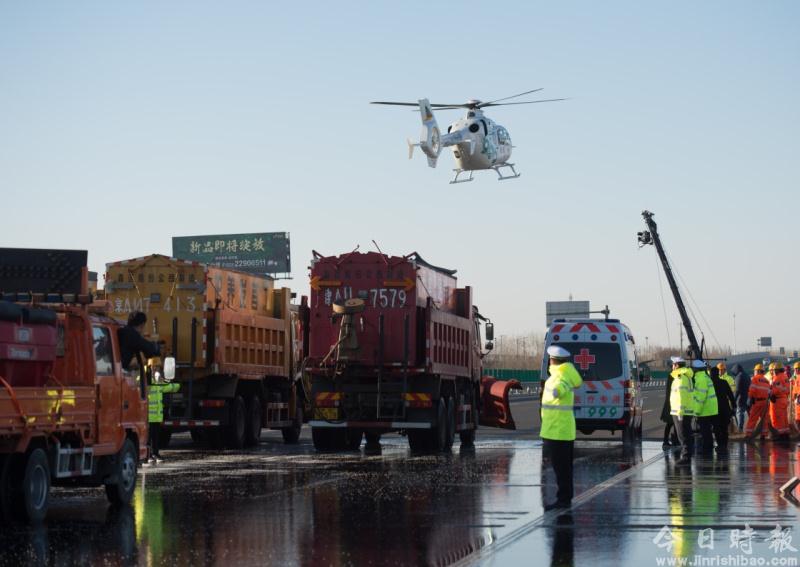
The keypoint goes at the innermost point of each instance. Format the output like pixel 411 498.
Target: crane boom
pixel 650 236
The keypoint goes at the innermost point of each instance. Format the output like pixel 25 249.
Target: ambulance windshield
pixel 596 361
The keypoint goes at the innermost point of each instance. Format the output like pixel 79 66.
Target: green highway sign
pixel 255 253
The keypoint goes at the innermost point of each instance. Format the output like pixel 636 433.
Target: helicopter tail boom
pixel 430 138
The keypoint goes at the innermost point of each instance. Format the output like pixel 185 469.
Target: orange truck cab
pixel 69 414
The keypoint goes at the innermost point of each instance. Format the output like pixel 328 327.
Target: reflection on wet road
pixel 282 505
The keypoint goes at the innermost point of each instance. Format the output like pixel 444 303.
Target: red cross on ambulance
pixel 584 359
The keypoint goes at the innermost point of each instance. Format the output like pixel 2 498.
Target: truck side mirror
pixel 489 345
pixel 489 331
pixel 169 368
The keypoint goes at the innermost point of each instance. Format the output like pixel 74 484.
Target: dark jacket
pixel 666 416
pixel 742 386
pixel 726 405
pixel 132 343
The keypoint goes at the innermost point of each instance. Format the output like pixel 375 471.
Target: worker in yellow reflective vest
pixel 706 408
pixel 725 377
pixel 155 412
pixel 558 421
pixel 682 406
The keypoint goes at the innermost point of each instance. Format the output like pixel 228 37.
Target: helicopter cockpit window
pixel 502 136
pixel 474 127
pixel 470 114
pixel 485 129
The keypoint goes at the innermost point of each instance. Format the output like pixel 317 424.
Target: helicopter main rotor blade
pixel 416 104
pixel 491 102
pixel 525 102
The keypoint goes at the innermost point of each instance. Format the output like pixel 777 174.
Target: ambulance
pixel 604 352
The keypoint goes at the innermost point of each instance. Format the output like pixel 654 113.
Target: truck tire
pixel 418 440
pixel 352 440
pixel 467 437
pixel 291 434
pixel 254 414
pixel 198 436
pixel 328 440
pixel 33 495
pixel 120 492
pixel 431 440
pixel 5 487
pixel 450 434
pixel 235 430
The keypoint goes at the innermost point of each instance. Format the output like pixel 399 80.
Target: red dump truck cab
pixel 395 345
pixel 69 415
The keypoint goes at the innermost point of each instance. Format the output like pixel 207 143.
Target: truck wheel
pixel 450 434
pixel 439 432
pixel 418 440
pixel 121 492
pixel 327 440
pixel 352 440
pixel 234 432
pixel 5 487
pixel 164 437
pixel 198 437
pixel 467 438
pixel 34 496
pixel 291 434
pixel 253 430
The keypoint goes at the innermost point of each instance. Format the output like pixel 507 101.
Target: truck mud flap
pixel 496 410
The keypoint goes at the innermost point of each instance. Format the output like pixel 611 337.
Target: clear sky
pixel 123 124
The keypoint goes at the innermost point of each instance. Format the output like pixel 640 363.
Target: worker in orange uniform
pixel 796 395
pixel 757 401
pixel 779 401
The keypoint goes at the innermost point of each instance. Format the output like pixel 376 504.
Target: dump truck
pixel 233 336
pixel 395 345
pixel 69 415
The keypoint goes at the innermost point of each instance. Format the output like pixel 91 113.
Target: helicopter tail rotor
pixel 430 138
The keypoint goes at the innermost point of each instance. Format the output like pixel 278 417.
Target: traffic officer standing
pixel 706 404
pixel 681 404
pixel 558 421
pixel 155 412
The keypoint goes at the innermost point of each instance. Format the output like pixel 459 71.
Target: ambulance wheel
pixel 33 496
pixel 235 431
pixel 291 434
pixel 253 428
pixel 121 492
pixel 450 433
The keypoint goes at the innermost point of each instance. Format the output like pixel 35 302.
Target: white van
pixel 604 352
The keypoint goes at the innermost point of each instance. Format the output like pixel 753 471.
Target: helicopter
pixel 477 142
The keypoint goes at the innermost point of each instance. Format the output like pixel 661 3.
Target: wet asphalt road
pixel 287 505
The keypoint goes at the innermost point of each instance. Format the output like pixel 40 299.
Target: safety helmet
pixel 797 364
pixel 759 366
pixel 777 365
pixel 772 366
pixel 721 367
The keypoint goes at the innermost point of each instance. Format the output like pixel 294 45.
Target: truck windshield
pixel 595 361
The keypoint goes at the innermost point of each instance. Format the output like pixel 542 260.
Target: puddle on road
pixel 294 507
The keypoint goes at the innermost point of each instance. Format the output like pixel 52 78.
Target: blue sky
pixel 122 125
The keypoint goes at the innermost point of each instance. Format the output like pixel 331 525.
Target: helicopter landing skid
pixel 500 176
pixel 459 172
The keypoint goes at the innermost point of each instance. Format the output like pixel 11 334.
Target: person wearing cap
pixel 558 421
pixel 757 402
pixel 740 394
pixel 682 406
pixel 706 408
pixel 725 377
pixel 779 401
pixel 670 437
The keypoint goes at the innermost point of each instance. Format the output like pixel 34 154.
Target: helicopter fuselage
pixel 484 143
